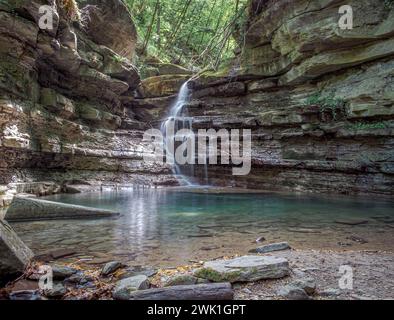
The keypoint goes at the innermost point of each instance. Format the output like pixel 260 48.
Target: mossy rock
pixel 244 269
pixel 162 86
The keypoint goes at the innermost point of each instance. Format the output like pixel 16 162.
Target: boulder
pixel 272 247
pixel 244 269
pixel 14 254
pixel 27 209
pixel 125 287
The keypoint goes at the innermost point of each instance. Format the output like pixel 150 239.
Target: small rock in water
pixel 351 222
pixel 26 295
pixel 291 292
pixel 57 291
pixel 126 286
pixel 111 267
pixel 62 272
pixel 272 247
pixel 260 239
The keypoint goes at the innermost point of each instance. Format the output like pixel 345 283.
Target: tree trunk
pixel 148 34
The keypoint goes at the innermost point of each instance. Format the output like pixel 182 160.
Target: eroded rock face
pixel 318 99
pixel 65 98
pixel 109 23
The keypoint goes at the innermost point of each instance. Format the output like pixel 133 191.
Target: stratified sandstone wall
pixel 63 99
pixel 322 108
pixel 319 99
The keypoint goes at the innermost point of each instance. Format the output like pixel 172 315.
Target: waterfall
pixel 177 117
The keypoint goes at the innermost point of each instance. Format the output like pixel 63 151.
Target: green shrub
pixel 118 59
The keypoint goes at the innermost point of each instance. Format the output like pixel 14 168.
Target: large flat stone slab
pixel 14 254
pixel 27 209
pixel 244 269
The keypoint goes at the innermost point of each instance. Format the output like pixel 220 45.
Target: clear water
pixel 164 227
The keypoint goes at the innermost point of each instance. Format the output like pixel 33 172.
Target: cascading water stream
pixel 178 120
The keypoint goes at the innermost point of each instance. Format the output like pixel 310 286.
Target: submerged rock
pixel 244 269
pixel 14 254
pixel 351 222
pixel 126 286
pixel 271 248
pixel 26 209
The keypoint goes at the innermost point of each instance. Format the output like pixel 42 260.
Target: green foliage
pixel 118 59
pixel 367 126
pixel 327 103
pixel 193 33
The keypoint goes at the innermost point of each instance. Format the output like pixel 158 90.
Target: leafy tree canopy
pixel 194 33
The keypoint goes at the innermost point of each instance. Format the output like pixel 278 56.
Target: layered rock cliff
pixel 318 99
pixel 64 96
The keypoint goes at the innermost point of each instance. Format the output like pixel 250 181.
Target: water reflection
pixel 170 227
